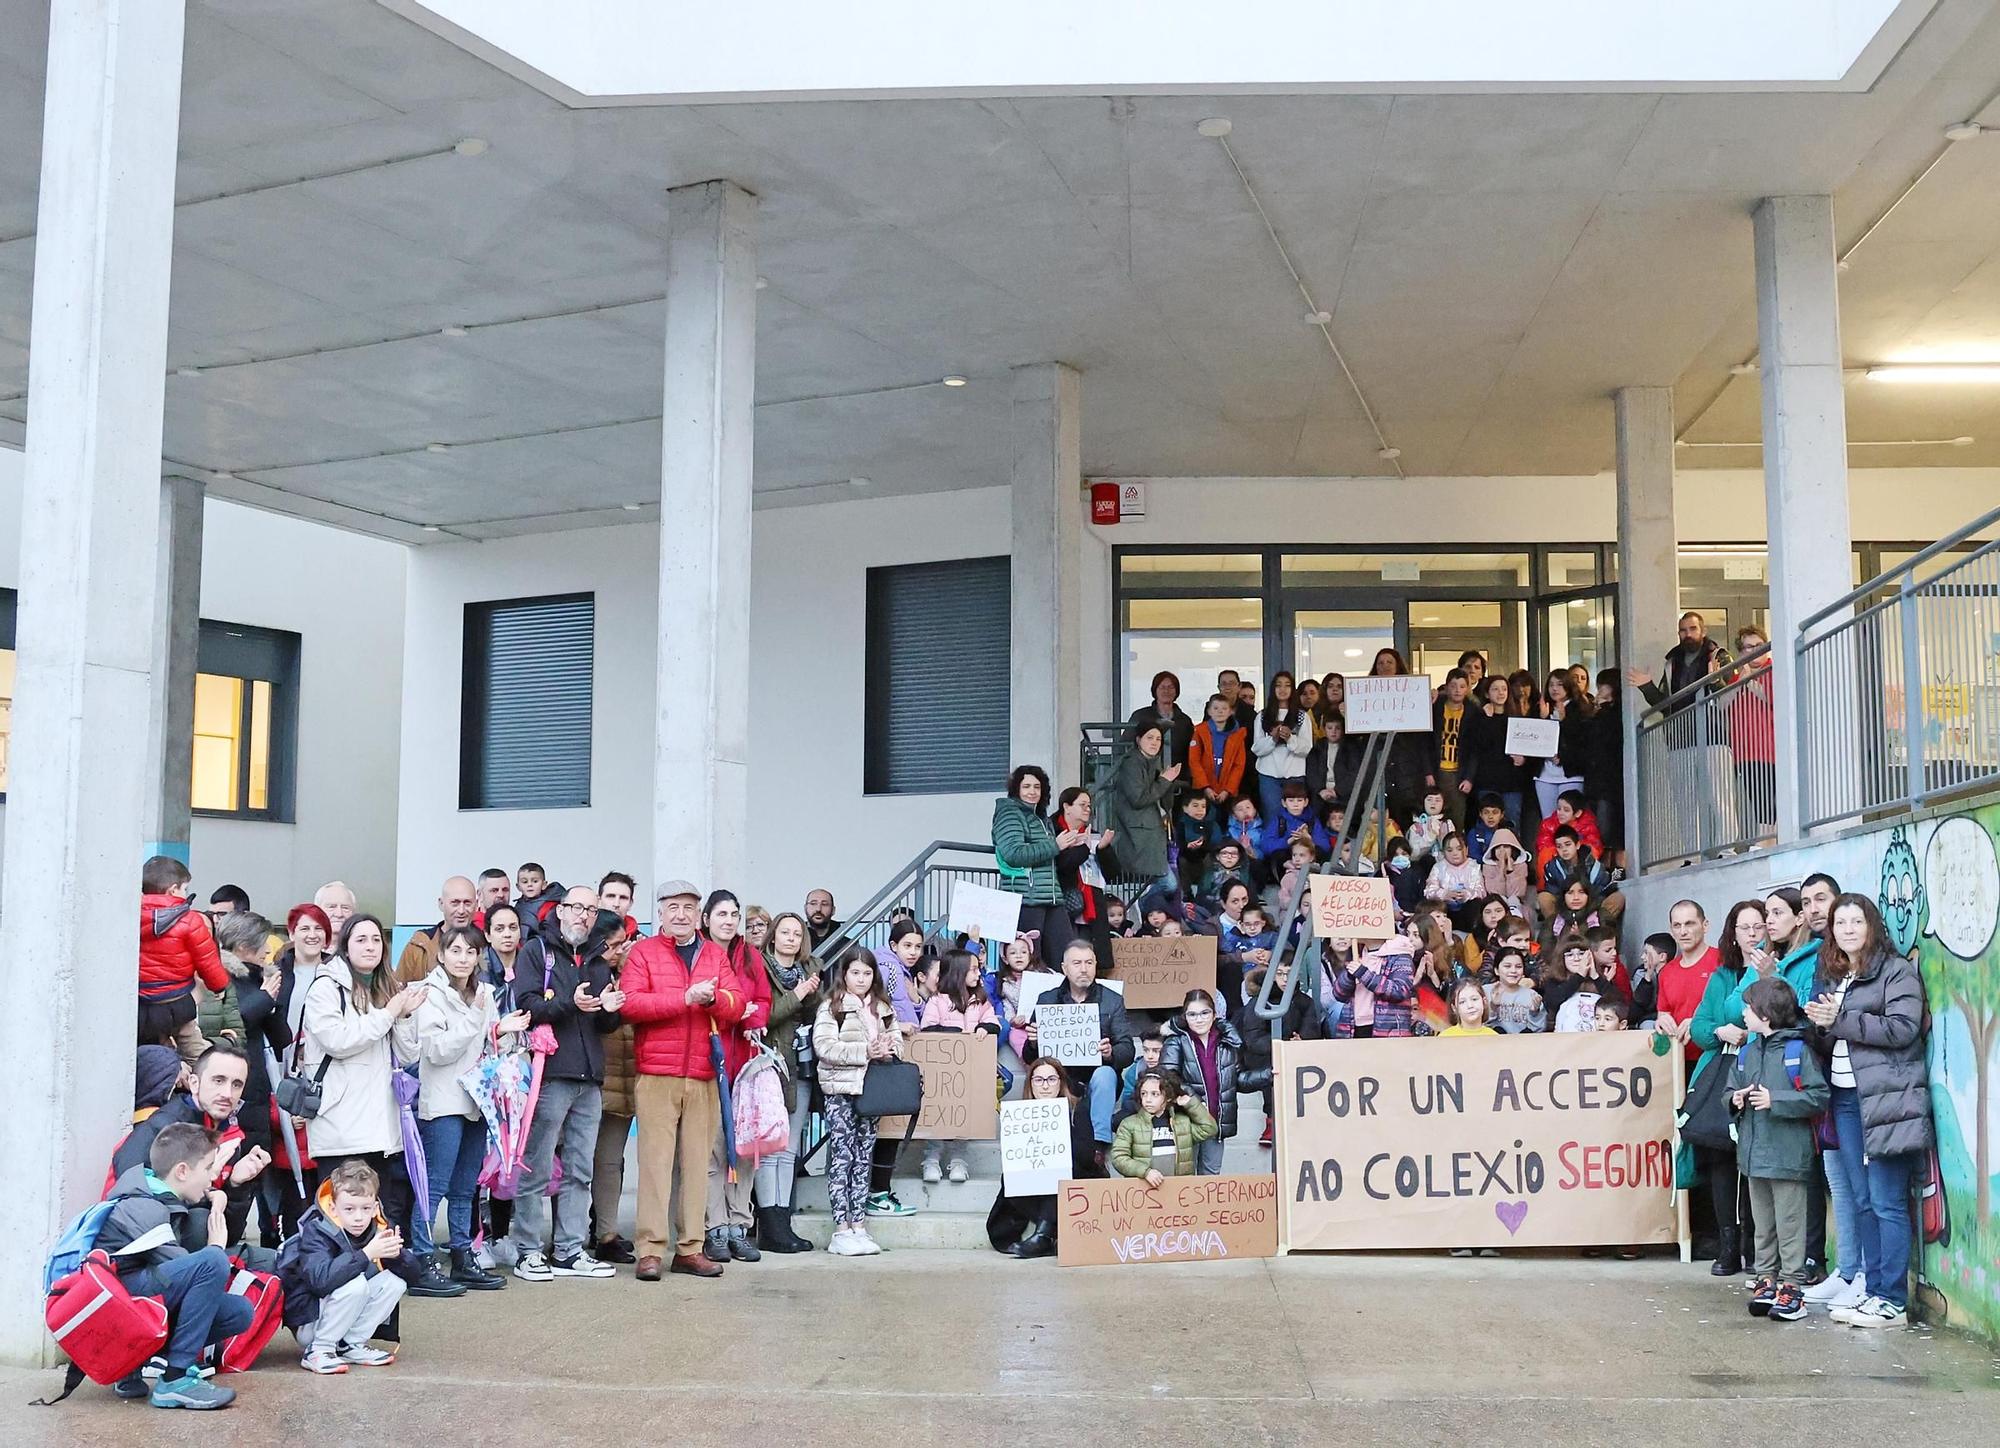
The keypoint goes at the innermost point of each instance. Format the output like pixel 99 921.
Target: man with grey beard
pixel 578 1002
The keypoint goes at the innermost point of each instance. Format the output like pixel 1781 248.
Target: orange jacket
pixel 1201 759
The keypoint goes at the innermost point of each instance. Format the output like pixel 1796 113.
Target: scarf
pixel 787 976
pixel 1205 1048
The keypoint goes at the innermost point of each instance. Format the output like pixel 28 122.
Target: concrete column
pixel 1649 595
pixel 176 638
pixel 1045 642
pixel 702 726
pixel 1805 447
pixel 89 521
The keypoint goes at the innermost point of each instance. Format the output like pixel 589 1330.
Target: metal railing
pixel 1708 766
pixel 1899 684
pixel 1097 754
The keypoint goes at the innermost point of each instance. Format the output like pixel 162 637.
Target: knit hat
pixel 154 1075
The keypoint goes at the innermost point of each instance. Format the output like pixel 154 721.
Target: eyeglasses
pixel 574 905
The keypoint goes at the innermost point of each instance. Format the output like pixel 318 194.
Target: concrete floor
pixel 968 1348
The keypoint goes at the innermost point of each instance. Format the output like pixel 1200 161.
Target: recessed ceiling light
pixel 1988 372
pixel 437 447
pixel 1428 618
pixel 187 372
pixel 1964 131
pixel 633 507
pixel 954 381
pixel 1743 369
pixel 471 146
pixel 763 282
pixel 1352 653
pixel 1210 646
pixel 860 482
pixel 1215 128
pixel 433 528
pixel 1319 319
pixel 453 331
pixel 1962 441
pixel 1389 454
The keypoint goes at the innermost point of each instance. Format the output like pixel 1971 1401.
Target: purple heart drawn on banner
pixel 1511 1215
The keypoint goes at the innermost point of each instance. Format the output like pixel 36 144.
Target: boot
pixel 1729 1257
pixel 793 1241
pixel 741 1247
pixel 1039 1242
pixel 466 1270
pixel 774 1232
pixel 428 1281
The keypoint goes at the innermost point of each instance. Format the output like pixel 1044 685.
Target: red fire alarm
pixel 1104 503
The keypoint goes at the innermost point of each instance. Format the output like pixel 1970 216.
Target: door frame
pixel 1342 600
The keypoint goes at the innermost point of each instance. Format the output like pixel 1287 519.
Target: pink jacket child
pixel 939 1012
pixel 1504 871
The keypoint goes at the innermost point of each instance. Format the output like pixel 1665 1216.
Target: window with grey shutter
pixel 936 690
pixel 524 730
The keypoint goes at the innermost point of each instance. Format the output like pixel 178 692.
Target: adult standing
pixel 336 901
pixel 820 924
pixel 1081 872
pixel 1494 770
pixel 729 1220
pixel 1163 708
pixel 1870 1028
pixel 1281 742
pixel 794 978
pixel 614 1123
pixel 1115 1050
pixel 678 989
pixel 1603 763
pixel 1695 656
pixel 282 1203
pixel 580 1005
pixel 1718 1027
pixel 1142 781
pixel 1025 845
pixel 458 902
pixel 1570 711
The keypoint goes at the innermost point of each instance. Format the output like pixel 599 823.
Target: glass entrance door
pixel 1342 636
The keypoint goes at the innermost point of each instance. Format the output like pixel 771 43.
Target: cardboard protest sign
pixel 1501 1141
pixel 1037 983
pixel 990 914
pixel 1160 970
pixel 959 1071
pixel 1034 1147
pixel 1184 1219
pixel 1397 705
pixel 1069 1034
pixel 1352 907
pixel 1532 738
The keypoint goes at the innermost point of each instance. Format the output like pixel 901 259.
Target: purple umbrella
pixel 413 1143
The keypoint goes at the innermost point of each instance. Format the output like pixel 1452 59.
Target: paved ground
pixel 967 1348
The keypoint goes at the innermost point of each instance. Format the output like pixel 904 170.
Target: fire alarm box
pixel 1104 503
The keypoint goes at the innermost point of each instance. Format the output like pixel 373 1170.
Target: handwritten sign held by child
pixel 1161 970
pixel 1352 907
pixel 958 1074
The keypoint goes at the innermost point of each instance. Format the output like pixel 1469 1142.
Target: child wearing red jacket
pixel 1570 810
pixel 175 946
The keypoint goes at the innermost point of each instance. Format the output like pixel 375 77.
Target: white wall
pixel 342 593
pixel 809 821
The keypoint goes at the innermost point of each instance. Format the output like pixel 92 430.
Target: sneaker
pixel 1461 1251
pixel 1789 1303
pixel 132 1388
pixel 865 1245
pixel 483 1255
pixel 1762 1295
pixel 361 1355
pixel 533 1267
pixel 1856 1293
pixel 1830 1291
pixel 189 1390
pixel 956 1172
pixel 1267 1139
pixel 888 1204
pixel 614 1249
pixel 933 1173
pixel 843 1244
pixel 322 1358
pixel 1877 1313
pixel 581 1265
pixel 1850 1311
pixel 1489 1251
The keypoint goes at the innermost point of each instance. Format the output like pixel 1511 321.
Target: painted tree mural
pixel 1961 956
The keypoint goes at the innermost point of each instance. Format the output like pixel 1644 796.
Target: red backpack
pixel 266 1297
pixel 107 1332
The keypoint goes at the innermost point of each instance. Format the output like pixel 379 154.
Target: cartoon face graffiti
pixel 1901 895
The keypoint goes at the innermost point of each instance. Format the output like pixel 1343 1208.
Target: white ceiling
pixel 1495 264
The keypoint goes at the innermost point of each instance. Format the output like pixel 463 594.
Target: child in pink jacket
pixel 962 1005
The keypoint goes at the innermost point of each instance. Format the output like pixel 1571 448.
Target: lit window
pixel 245 721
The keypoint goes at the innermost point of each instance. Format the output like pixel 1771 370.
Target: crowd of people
pixel 369 1128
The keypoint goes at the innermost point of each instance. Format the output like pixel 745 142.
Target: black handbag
pixel 890 1088
pixel 1704 1116
pixel 300 1095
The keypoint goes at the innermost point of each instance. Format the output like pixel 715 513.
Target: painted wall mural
pixel 1938 884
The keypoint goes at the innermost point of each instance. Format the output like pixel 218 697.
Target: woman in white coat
pixel 351 1006
pixel 446 1036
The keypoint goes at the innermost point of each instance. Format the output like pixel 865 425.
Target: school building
pixel 461 433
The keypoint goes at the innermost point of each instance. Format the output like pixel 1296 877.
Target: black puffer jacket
pixel 1883 1021
pixel 1179 1056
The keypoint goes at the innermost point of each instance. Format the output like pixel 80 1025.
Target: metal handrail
pixel 1716 678
pixel 899 884
pixel 1907 566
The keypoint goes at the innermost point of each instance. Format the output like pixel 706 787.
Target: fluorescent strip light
pixel 1987 372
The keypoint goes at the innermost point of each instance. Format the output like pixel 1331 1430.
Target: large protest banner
pixel 1525 1141
pixel 1159 970
pixel 1183 1219
pixel 959 1073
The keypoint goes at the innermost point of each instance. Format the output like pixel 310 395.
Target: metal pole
pixel 1913 692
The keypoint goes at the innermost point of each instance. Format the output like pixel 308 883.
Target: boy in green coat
pixel 1776 1088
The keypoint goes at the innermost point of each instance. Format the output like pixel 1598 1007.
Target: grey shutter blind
pixel 936 691
pixel 529 682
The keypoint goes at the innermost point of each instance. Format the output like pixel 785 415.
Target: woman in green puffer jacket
pixel 1025 845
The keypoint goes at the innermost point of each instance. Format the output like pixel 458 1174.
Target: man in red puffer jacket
pixel 679 990
pixel 175 946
